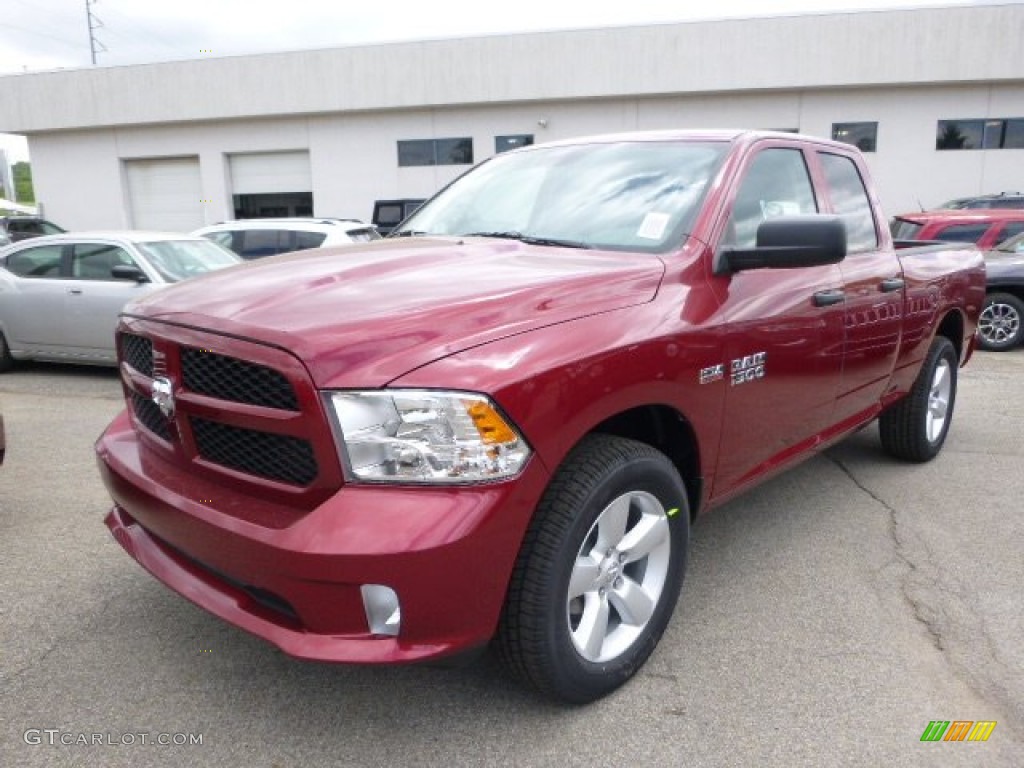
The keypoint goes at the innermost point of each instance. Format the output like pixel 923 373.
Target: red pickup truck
pixel 497 425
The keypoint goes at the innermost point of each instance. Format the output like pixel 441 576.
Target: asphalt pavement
pixel 826 619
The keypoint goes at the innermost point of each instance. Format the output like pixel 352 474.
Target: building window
pixel 505 143
pixel 864 136
pixel 435 152
pixel 991 133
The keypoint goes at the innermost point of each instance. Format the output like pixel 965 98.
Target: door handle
pixel 75 291
pixel 829 297
pixel 892 284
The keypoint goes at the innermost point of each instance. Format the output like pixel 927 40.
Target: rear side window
pixel 305 240
pixel 257 243
pixel 364 235
pixel 43 261
pixel 962 233
pixel 388 215
pixel 850 201
pixel 905 230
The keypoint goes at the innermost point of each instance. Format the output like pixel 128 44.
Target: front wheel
pixel 999 327
pixel 599 571
pixel 915 428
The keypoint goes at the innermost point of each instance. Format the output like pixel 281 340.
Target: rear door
pixel 33 305
pixel 783 330
pixel 873 288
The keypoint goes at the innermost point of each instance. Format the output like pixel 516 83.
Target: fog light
pixel 383 613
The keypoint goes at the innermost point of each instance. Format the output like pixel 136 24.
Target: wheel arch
pixel 952 327
pixel 667 430
pixel 1014 289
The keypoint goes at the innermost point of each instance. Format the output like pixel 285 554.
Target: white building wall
pixel 904 70
pixel 354 156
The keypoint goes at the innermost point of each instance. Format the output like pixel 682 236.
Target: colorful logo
pixel 958 730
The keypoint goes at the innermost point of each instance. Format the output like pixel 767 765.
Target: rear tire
pixel 599 571
pixel 1000 325
pixel 915 428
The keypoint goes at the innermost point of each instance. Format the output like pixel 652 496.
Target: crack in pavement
pixel 925 615
pixel 953 627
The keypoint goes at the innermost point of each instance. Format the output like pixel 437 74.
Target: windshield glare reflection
pixel 633 196
pixel 180 259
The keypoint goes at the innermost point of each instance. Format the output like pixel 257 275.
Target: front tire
pixel 1000 325
pixel 599 572
pixel 6 361
pixel 915 428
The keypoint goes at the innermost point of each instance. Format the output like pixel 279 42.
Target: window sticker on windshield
pixel 772 208
pixel 653 226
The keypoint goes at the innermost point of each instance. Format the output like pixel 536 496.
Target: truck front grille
pixel 138 353
pixel 149 414
pixel 240 410
pixel 277 457
pixel 228 378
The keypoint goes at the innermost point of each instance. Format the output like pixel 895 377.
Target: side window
pixel 962 233
pixel 850 200
pixel 308 240
pixel 257 243
pixel 776 184
pixel 1012 228
pixel 43 261
pixel 94 261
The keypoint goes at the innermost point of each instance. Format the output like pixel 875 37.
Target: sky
pixel 39 35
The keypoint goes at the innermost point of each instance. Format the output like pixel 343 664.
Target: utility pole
pixel 95 46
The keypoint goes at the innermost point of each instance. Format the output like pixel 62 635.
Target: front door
pixel 783 331
pixel 95 299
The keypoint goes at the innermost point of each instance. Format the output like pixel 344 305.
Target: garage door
pixel 269 172
pixel 271 184
pixel 165 194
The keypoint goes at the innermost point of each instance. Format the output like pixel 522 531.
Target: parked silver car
pixel 60 295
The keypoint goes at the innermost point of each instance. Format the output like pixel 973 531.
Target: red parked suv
pixel 985 227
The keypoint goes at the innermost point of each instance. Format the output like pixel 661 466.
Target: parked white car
pixel 60 295
pixel 256 238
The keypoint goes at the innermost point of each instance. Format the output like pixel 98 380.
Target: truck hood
pixel 361 316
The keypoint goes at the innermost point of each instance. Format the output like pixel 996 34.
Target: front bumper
pixel 294 579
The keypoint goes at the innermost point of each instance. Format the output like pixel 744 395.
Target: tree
pixel 23 190
pixel 951 138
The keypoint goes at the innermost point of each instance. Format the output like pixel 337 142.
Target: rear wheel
pixel 915 428
pixel 999 327
pixel 599 572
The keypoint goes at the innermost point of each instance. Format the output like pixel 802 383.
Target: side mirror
pixel 128 272
pixel 789 242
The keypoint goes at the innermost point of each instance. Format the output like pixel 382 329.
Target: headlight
pixel 423 436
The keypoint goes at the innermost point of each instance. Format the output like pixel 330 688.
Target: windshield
pixel 176 260
pixel 635 196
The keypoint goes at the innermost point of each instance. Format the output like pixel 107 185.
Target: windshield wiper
pixel 408 233
pixel 531 239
